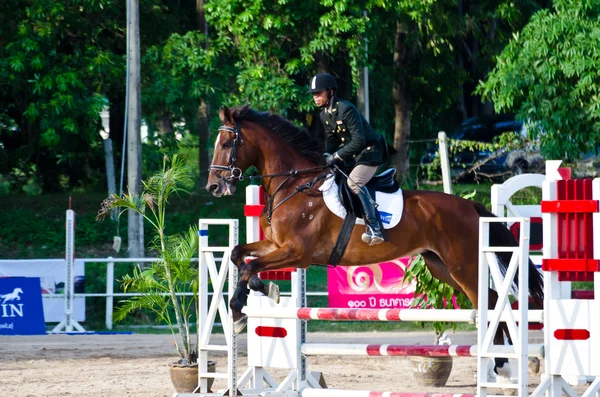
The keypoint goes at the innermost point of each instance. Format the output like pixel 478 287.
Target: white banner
pixel 52 274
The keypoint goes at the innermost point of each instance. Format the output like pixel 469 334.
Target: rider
pixel 351 140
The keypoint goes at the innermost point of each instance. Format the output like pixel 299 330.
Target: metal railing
pixel 110 294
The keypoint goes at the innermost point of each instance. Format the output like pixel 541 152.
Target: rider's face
pixel 320 97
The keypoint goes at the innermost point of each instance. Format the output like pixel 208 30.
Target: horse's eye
pixel 227 145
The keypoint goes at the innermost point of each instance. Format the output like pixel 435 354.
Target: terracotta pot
pixel 185 377
pixel 431 371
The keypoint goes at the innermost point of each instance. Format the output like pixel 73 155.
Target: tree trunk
pixel 460 64
pixel 475 100
pixel 203 137
pixel 400 95
pixel 165 126
pixel 135 224
pixel 488 106
pixel 110 173
pixel 363 93
pixel 203 112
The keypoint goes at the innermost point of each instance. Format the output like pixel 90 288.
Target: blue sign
pixel 21 310
pixel 385 217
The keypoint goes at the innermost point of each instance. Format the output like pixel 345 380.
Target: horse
pixel 301 231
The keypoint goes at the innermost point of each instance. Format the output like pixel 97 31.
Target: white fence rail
pixel 109 294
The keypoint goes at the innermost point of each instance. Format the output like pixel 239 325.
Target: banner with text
pixel 21 311
pixel 376 286
pixel 52 274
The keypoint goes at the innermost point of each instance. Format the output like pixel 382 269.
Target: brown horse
pixel 300 230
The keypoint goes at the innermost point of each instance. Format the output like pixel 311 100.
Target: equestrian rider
pixel 351 141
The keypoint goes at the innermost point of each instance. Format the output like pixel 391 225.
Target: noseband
pixel 235 172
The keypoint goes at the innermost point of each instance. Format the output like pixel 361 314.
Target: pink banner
pixel 377 286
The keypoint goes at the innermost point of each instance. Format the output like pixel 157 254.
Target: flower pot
pixel 431 371
pixel 185 377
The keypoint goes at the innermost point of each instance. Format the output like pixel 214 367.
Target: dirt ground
pixel 136 365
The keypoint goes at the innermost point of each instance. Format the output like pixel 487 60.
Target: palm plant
pixel 170 285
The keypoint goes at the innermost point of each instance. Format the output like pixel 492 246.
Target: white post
pixel 203 281
pixel 232 281
pixel 69 322
pixel 252 222
pixel 445 164
pixel 110 278
pixel 208 273
pixel 489 320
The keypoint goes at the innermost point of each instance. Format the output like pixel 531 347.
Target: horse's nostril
pixel 212 188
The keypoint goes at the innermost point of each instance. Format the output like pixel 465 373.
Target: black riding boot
pixel 373 235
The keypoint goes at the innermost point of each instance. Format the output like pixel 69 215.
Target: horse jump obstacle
pixel 262 355
pixel 496 317
pixel 300 381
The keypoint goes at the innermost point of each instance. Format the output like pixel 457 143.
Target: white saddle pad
pixel 390 207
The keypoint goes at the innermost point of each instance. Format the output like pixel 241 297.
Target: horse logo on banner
pixel 12 296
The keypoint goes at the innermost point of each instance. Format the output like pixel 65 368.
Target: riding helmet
pixel 321 82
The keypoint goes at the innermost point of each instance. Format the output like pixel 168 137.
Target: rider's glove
pixel 332 159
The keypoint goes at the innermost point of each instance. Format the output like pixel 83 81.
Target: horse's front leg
pixel 256 249
pixel 285 256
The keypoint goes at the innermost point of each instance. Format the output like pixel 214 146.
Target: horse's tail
pixel 500 236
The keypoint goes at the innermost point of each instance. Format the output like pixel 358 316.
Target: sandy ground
pixel 136 365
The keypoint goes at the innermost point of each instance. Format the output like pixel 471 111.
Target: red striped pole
pixel 360 393
pixel 343 349
pixel 346 314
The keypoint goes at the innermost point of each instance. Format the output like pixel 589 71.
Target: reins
pixel 299 188
pixel 236 173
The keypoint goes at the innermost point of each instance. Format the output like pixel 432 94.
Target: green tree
pixel 58 61
pixel 548 74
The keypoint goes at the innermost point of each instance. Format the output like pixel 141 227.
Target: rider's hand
pixel 332 159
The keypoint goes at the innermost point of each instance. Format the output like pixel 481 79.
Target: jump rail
pixel 345 314
pixel 342 349
pixel 361 393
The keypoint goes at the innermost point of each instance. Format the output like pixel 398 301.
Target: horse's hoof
pixel 274 292
pixel 240 324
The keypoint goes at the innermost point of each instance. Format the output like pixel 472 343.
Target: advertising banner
pixel 375 286
pixel 52 274
pixel 21 311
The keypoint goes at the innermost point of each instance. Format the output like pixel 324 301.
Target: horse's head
pixel 229 159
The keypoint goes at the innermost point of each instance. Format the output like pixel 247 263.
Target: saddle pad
pixel 390 207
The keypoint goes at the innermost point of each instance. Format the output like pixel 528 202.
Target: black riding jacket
pixel 351 136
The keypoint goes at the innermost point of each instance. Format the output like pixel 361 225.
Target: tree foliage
pixel 549 75
pixel 60 60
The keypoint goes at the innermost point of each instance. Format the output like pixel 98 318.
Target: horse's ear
pixel 244 110
pixel 225 115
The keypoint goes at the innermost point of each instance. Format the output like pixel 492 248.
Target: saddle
pixel 384 182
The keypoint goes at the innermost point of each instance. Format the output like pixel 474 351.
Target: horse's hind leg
pixel 501 366
pixel 439 270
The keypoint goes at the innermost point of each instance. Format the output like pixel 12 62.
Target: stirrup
pixel 371 238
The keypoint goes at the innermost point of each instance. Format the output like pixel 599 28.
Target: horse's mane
pixel 297 138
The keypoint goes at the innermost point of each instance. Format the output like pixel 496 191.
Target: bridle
pixel 235 172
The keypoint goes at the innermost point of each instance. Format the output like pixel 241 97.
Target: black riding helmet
pixel 322 82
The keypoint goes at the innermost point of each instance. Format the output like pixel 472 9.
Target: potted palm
pixel 431 293
pixel 168 287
